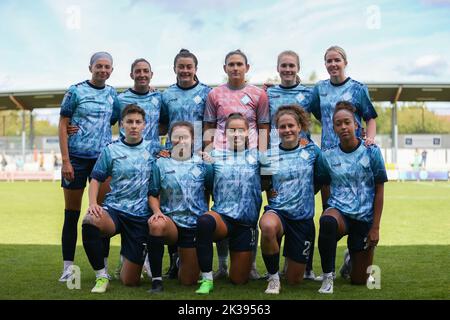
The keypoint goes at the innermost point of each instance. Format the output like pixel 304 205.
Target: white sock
pixel 67 264
pixel 275 276
pixel 328 275
pixel 207 275
pixel 157 278
pixel 254 265
pixel 121 259
pixel 105 261
pixel 101 273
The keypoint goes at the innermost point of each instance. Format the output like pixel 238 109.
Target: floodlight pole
pixel 395 125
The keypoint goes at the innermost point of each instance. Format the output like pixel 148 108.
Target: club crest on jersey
pixel 197 99
pixel 196 172
pixel 364 161
pixel 304 155
pixel 347 96
pixel 155 101
pixel 245 99
pixel 300 97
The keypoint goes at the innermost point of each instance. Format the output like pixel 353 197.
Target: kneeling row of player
pixel 174 207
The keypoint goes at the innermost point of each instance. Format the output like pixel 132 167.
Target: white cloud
pixel 428 65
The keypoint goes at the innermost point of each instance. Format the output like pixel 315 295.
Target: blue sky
pixel 46 44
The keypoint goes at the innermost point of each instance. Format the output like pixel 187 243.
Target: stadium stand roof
pixel 386 92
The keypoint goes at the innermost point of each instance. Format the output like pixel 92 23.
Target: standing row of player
pixel 92 106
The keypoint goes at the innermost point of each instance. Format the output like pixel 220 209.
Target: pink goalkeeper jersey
pixel 250 101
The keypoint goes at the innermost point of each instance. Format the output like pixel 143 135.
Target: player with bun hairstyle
pixel 356 175
pixel 183 101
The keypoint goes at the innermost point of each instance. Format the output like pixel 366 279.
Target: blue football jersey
pixel 293 176
pixel 352 177
pixel 181 188
pixel 325 97
pixel 237 185
pixel 280 96
pixel 130 167
pixel 93 110
pixel 151 103
pixel 185 104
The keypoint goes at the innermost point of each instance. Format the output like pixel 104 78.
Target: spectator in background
pixel 417 161
pixel 4 162
pixel 19 163
pixel 41 161
pixel 423 163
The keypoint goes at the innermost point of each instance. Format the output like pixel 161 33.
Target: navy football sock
pixel 155 255
pixel 328 242
pixel 69 234
pixel 92 243
pixel 206 225
pixel 272 262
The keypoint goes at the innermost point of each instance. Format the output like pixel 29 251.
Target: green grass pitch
pixel 413 254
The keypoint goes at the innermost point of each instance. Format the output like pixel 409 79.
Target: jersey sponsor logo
pixel 172 100
pixel 170 172
pixel 120 158
pixel 275 96
pixel 336 164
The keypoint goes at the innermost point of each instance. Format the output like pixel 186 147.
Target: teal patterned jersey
pixel 93 110
pixel 181 188
pixel 293 176
pixel 352 177
pixel 237 185
pixel 325 97
pixel 185 104
pixel 151 103
pixel 130 169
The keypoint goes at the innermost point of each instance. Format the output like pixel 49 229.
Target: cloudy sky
pixel 46 44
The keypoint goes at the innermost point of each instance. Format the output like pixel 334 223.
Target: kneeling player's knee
pixel 206 224
pixel 268 230
pixel 328 224
pixel 88 219
pixel 238 280
pixel 359 280
pixel 130 282
pixel 157 228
